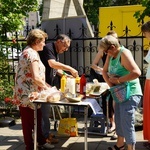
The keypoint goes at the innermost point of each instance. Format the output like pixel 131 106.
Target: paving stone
pixel 11 138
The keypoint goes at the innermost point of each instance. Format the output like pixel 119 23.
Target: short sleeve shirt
pixel 24 81
pixel 49 52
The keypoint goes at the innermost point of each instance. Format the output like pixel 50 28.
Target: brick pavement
pixel 11 139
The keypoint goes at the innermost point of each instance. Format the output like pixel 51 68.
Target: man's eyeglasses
pixel 64 44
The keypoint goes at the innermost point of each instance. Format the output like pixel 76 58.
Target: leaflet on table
pixel 93 104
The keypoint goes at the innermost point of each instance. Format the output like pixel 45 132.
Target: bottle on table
pixel 83 85
pixel 67 84
pixel 77 84
pixel 72 89
pixel 63 82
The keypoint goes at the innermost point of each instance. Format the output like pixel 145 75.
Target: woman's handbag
pixel 68 127
pixel 120 92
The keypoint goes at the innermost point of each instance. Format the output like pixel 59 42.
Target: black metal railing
pixel 81 52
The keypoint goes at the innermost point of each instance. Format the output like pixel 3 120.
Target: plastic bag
pixel 50 95
pixel 68 127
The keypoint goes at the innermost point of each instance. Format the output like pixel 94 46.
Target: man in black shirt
pixel 50 58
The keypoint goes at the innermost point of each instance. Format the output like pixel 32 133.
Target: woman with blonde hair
pixel 120 68
pixel 96 73
pixel 30 77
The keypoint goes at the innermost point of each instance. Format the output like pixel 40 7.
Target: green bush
pixel 6 83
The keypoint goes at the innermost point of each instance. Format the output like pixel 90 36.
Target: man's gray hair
pixel 108 40
pixel 63 37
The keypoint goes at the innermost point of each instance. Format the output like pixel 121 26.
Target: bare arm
pixel 128 62
pixel 35 73
pixel 105 71
pixel 57 65
pixel 96 60
pixel 60 73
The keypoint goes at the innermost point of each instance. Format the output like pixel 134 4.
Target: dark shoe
pixel 146 144
pixel 52 135
pixel 116 148
pixel 51 139
pixel 148 147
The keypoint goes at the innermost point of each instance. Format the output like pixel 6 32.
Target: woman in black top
pixel 96 73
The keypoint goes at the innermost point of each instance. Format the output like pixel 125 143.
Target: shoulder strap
pixel 119 55
pixel 128 90
pixel 121 50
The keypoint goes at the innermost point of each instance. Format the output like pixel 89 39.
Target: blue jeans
pixel 125 118
pixel 45 108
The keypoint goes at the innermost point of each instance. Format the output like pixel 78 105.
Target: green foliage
pixel 126 2
pixel 92 7
pixel 41 8
pixel 6 81
pixel 13 13
pixel 6 88
pixel 140 15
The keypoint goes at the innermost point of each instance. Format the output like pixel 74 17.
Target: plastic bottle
pixel 67 84
pixel 77 84
pixel 83 85
pixel 72 86
pixel 63 83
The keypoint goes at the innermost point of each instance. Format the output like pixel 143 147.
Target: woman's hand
pixel 114 80
pixel 33 96
pixel 46 87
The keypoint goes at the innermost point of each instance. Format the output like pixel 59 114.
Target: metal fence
pixel 80 54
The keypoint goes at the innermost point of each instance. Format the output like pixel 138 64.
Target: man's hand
pixel 74 73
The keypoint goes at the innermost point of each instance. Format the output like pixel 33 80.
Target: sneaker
pixel 114 136
pixel 48 146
